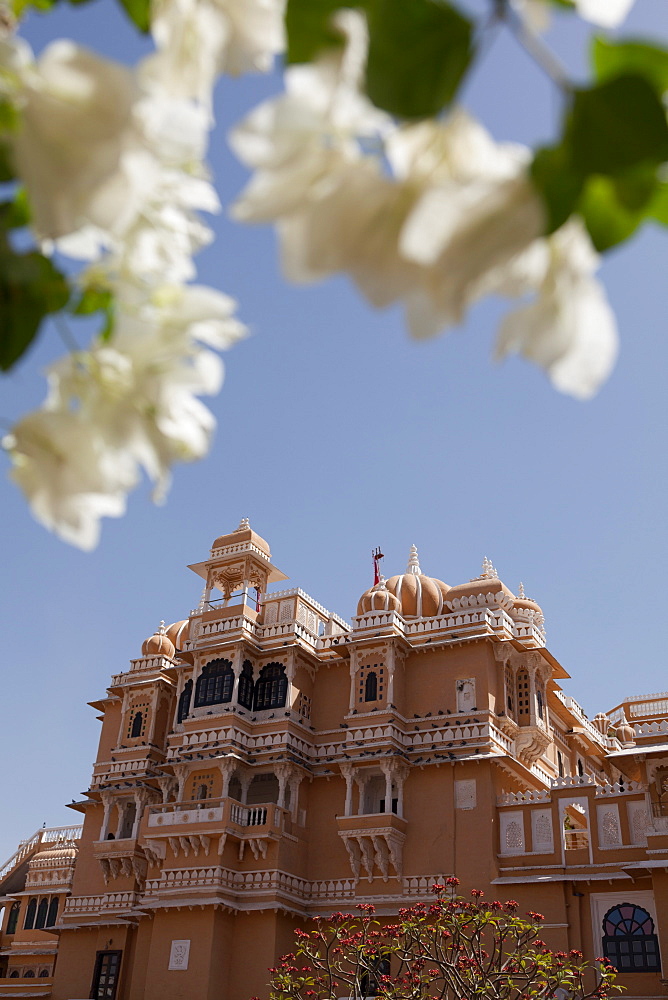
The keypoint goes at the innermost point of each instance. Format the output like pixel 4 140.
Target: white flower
pixel 474 211
pixel 569 329
pixel 302 142
pixel 76 115
pixel 606 13
pixel 69 474
pixel 198 39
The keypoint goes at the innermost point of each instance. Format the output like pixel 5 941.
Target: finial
pixel 162 630
pixel 413 562
pixel 244 523
pixel 203 601
pixel 488 570
pixel 520 592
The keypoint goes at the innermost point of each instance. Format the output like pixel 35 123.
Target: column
pixel 120 806
pixel 390 664
pixel 245 780
pixel 295 782
pixel 155 701
pixel 282 772
pixel 236 669
pixel 361 785
pixel 227 769
pixel 388 787
pixel 401 773
pixel 107 803
pixel 347 772
pixel 140 802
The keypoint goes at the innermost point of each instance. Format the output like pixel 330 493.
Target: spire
pixel 244 524
pixel 203 601
pixel 520 592
pixel 162 630
pixel 488 571
pixel 413 562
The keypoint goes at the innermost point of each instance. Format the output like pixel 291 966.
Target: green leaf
pixel 139 12
pixel 309 28
pixel 30 287
pixel 658 207
pixel 615 125
pixel 611 59
pixel 419 53
pixel 558 184
pixel 92 300
pixel 19 7
pixel 609 221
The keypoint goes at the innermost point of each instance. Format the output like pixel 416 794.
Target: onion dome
pixel 523 605
pixel 602 723
pixel 244 533
pixel 158 644
pixel 178 633
pixel 419 596
pixel 625 732
pixel 481 587
pixel 378 598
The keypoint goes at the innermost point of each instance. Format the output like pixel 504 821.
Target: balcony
pixel 374 842
pixel 190 826
pixel 121 857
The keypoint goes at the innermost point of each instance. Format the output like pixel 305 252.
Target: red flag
pixel 376 555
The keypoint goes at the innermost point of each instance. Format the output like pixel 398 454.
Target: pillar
pixel 107 804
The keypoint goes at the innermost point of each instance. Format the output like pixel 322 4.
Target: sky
pixel 337 433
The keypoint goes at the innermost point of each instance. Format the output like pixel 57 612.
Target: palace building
pixel 263 761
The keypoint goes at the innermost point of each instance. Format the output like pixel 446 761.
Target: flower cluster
pixel 434 214
pixel 453 948
pixel 124 194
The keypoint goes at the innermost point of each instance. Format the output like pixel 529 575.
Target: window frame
pixel 100 956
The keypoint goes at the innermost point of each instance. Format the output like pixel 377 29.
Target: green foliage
pixel 308 26
pixel 559 184
pixel 30 288
pixel 95 299
pixel 615 125
pixel 611 59
pixel 418 55
pixel 419 52
pixel 139 12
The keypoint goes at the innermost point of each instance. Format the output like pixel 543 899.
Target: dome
pixel 419 596
pixel 523 605
pixel 158 644
pixel 474 592
pixel 178 633
pixel 625 732
pixel 243 533
pixel 55 855
pixel 378 598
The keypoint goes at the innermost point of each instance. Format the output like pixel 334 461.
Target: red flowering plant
pixel 453 949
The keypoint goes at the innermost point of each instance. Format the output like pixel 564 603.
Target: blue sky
pixel 337 433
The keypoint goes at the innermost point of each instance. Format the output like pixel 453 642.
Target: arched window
pixel 202 792
pixel 137 721
pixel 53 913
pixel 214 684
pixel 13 918
pixel 42 911
pixel 371 686
pixel 272 687
pixel 629 941
pixel 560 763
pixel 246 685
pixel 29 921
pixel 44 973
pixel 29 974
pixel 184 701
pixel 539 703
pixel 14 974
pixel 580 768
